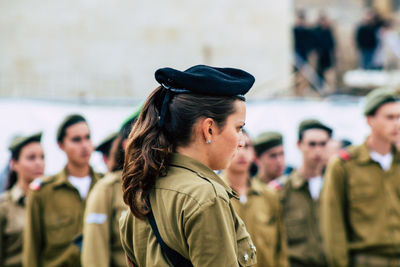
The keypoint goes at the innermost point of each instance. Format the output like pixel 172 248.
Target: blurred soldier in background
pixel 300 197
pixel 360 199
pixel 101 242
pixel 258 207
pixel 270 156
pixel 27 163
pixel 105 147
pixel 56 204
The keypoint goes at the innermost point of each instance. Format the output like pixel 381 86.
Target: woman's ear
pixel 207 128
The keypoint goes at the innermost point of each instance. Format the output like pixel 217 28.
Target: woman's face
pixel 228 138
pixel 245 155
pixel 30 163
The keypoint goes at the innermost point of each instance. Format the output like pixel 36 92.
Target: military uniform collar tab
pixel 62 177
pixel 363 154
pixel 297 180
pixel 202 170
pixel 17 194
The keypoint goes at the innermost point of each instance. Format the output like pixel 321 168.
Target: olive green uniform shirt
pixel 301 219
pixel 195 217
pixel 101 240
pixel 361 207
pixel 262 216
pixel 12 220
pixel 54 219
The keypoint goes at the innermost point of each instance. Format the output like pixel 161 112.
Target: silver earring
pixel 208 141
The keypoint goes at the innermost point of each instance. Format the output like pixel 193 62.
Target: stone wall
pixel 110 49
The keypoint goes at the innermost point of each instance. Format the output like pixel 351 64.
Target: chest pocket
pixel 246 249
pixel 61 229
pixel 296 226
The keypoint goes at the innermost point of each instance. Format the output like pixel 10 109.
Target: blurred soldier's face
pixel 313 146
pixel 385 123
pixel 77 144
pixel 243 158
pixel 332 148
pixel 272 162
pixel 30 164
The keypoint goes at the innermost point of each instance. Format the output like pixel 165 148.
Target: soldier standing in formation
pixel 56 204
pixel 27 163
pixel 259 208
pixel 101 238
pixel 270 156
pixel 361 195
pixel 181 213
pixel 300 197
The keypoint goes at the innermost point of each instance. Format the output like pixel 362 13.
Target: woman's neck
pixel 239 181
pixel 23 184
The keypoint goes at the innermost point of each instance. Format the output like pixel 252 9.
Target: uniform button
pixel 253 248
pixel 246 257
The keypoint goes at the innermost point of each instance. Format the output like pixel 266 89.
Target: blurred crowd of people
pixel 71 218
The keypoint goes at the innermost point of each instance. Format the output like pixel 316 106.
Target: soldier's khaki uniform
pixel 101 238
pixel 301 219
pixel 54 219
pixel 262 216
pixel 361 210
pixel 195 217
pixel 12 221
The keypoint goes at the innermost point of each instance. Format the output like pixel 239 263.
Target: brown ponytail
pixel 150 146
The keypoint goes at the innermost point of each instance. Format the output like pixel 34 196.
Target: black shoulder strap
pixel 174 257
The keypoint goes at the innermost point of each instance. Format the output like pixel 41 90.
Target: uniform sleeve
pixel 33 238
pixel 125 228
pixel 333 215
pixel 211 235
pixel 96 228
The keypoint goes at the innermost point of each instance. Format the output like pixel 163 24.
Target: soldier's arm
pixel 96 228
pixel 283 258
pixel 33 231
pixel 211 236
pixel 333 214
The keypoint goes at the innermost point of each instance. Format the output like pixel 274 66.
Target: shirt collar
pixel 62 178
pixel 182 161
pixel 364 156
pixel 297 180
pixel 17 194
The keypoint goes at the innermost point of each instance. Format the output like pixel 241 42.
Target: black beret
pixel 266 141
pixel 105 145
pixel 202 79
pixel 313 124
pixel 20 141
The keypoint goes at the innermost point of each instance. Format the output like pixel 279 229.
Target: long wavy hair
pixel 150 146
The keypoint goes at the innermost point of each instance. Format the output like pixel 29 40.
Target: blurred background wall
pixel 110 49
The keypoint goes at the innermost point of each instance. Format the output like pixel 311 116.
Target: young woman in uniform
pixel 181 213
pixel 27 163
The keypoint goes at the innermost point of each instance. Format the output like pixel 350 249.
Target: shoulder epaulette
pixel 36 184
pixel 344 155
pixel 278 183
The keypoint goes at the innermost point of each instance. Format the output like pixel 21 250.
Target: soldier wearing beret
pixel 361 195
pixel 27 163
pixel 56 204
pixel 105 147
pixel 181 210
pixel 270 156
pixel 299 194
pixel 101 238
pixel 259 208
